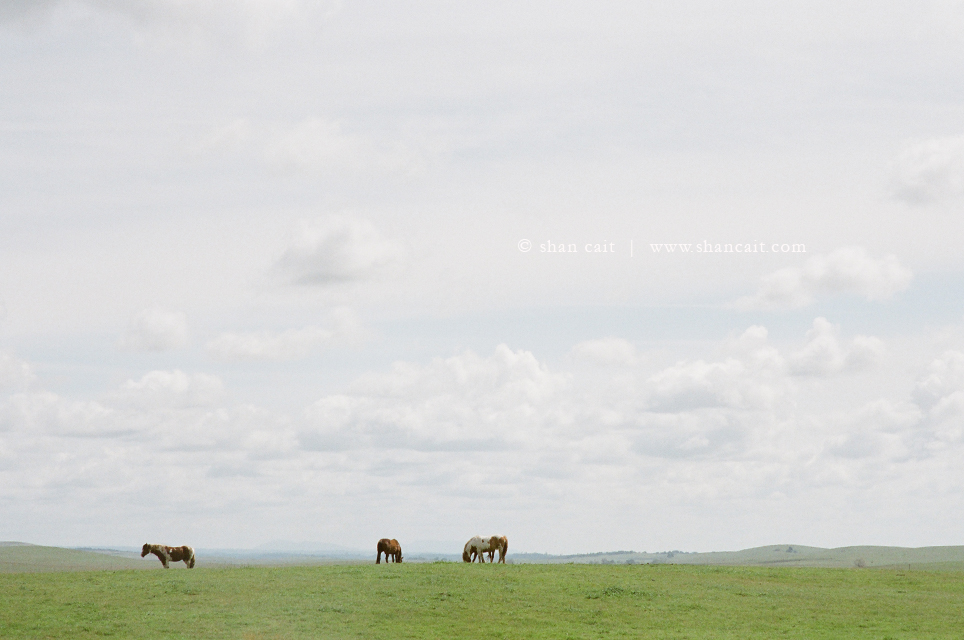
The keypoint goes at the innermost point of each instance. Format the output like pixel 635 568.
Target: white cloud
pixel 930 170
pixel 43 413
pixel 940 395
pixel 735 427
pixel 845 270
pixel 342 328
pixel 322 146
pixel 171 389
pixel 824 354
pixel 466 402
pixel 883 429
pixel 753 377
pixel 338 249
pixel 232 137
pixel 155 330
pixel 14 372
pixel 944 377
pixel 607 351
pixel 315 146
pixel 892 431
pixel 752 348
pixel 252 20
pixel 511 401
pixel 693 385
pixel 694 433
pixel 266 345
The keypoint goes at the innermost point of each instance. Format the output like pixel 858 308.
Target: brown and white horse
pixel 170 554
pixel 478 546
pixel 500 544
pixel 390 548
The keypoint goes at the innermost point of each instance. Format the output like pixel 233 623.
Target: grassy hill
pixel 20 557
pixel 456 600
pixel 945 558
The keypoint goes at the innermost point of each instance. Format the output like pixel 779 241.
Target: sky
pixel 593 276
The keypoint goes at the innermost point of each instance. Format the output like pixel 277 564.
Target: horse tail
pixel 505 546
pixel 190 555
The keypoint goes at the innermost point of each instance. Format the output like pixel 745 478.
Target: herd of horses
pixel 478 546
pixel 475 549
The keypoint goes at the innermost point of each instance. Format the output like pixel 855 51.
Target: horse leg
pixel 378 558
pixel 161 556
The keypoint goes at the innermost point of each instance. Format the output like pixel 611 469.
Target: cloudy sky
pixel 283 270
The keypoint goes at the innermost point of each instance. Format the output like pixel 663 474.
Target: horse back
pixel 178 554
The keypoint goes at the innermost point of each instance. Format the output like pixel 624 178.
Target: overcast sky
pixel 279 270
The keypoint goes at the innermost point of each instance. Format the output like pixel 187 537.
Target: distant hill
pixel 19 557
pixel 22 557
pixel 784 555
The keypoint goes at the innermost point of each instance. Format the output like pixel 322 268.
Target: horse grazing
pixel 390 548
pixel 500 544
pixel 478 546
pixel 170 554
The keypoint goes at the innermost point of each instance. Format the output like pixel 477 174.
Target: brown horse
pixel 390 548
pixel 170 554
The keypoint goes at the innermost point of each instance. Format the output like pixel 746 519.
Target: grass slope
pixel 449 600
pixel 19 557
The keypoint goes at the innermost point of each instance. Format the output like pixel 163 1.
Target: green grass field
pixel 452 600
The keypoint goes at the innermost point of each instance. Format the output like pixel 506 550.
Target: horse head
pixel 146 550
